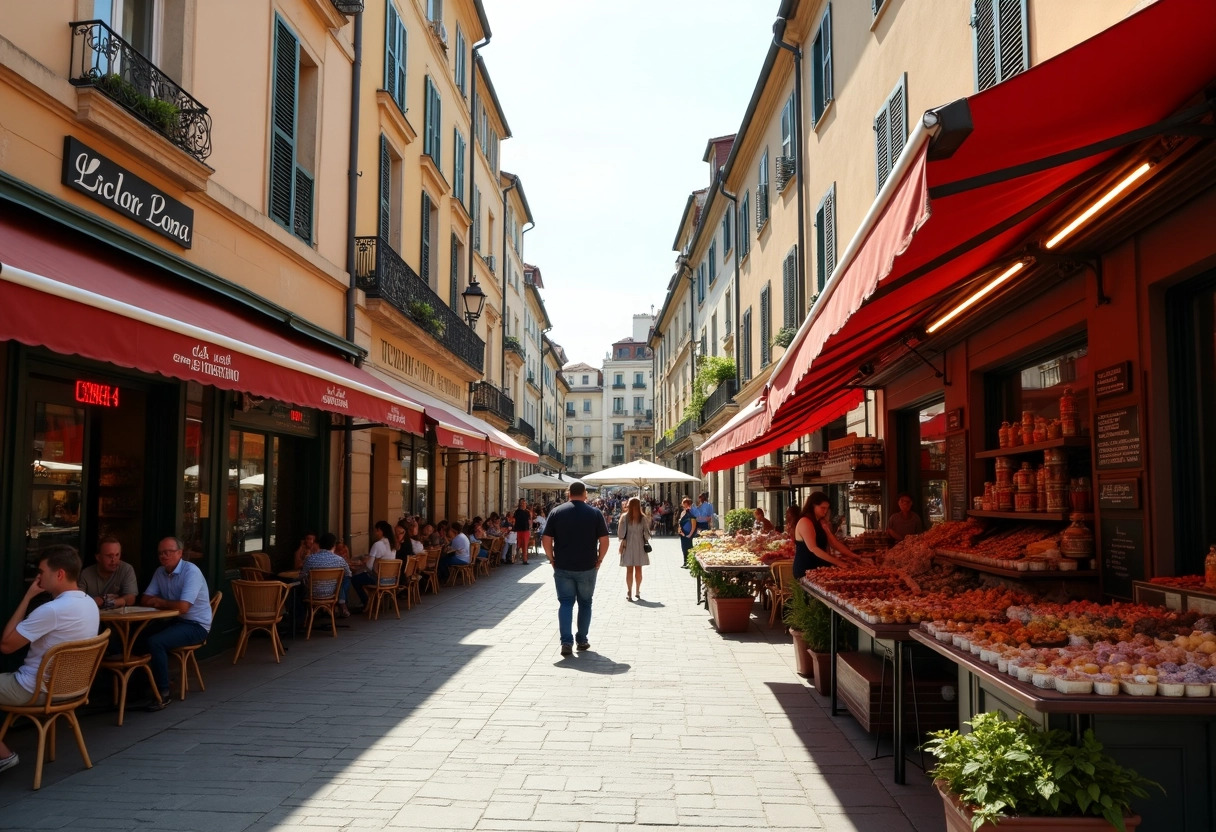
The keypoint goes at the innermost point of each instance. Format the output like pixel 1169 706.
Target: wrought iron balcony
pixel 618 385
pixel 513 345
pixel 618 459
pixel 639 385
pixel 686 429
pixel 525 430
pixel 535 447
pixel 489 398
pixel 381 273
pixel 719 399
pixel 552 452
pixel 660 447
pixel 107 63
pixel 620 411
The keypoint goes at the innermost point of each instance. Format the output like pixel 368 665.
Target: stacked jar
pixel 1024 479
pixel 1077 541
pixel 1057 480
pixel 1068 413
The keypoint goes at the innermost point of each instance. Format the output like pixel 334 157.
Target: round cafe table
pixel 128 623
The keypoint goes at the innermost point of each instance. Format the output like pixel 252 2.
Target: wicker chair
pixel 262 561
pixel 481 563
pixel 252 573
pixel 496 552
pixel 779 589
pixel 465 572
pixel 411 578
pixel 431 571
pixel 259 606
pixel 388 581
pixel 185 654
pixel 329 602
pixel 69 669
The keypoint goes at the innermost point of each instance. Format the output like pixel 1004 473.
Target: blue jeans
pixel 572 586
pixel 445 563
pixel 363 579
pixel 174 634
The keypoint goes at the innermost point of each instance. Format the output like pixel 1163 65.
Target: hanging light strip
pixel 1106 199
pixel 971 301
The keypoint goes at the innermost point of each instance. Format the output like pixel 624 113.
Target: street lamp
pixel 474 301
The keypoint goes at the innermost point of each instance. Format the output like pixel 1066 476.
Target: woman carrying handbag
pixel 634 531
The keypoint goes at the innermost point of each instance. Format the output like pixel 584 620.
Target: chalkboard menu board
pixel 1117 438
pixel 956 475
pixel 1122 556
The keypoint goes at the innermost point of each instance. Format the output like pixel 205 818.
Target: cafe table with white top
pixel 128 623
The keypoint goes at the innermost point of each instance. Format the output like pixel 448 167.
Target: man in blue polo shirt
pixel 704 512
pixel 177 585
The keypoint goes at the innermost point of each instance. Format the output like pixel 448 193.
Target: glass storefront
pixel 414 453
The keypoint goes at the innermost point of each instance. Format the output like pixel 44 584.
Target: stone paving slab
pixel 462 715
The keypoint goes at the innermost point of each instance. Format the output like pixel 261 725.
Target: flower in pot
pixel 810 623
pixel 798 617
pixel 730 603
pixel 1012 772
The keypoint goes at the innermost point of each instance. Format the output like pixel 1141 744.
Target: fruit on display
pixel 744 550
pixel 1180 581
pixel 1082 647
pixel 881 596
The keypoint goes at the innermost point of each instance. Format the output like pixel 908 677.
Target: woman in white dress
pixel 633 529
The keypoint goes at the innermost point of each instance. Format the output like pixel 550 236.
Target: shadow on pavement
pixel 592 662
pixel 652 604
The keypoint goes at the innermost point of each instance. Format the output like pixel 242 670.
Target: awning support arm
pixel 1070 264
pixel 936 372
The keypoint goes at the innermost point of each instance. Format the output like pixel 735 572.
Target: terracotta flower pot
pixel 802 661
pixel 822 665
pixel 731 615
pixel 958 819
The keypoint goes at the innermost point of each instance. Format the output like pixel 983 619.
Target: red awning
pixel 933 228
pixel 67 296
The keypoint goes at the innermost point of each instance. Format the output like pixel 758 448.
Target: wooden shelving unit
pixel 1038 447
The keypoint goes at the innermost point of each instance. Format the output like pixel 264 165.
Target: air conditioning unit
pixel 786 168
pixel 490 263
pixel 440 31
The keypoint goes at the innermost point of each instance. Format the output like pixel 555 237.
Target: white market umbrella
pixel 639 473
pixel 543 481
pixel 254 481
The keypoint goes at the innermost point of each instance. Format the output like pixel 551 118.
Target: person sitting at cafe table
pixel 905 521
pixel 307 546
pixel 325 558
pixel 382 549
pixel 176 585
pixel 111 581
pixel 457 550
pixel 70 615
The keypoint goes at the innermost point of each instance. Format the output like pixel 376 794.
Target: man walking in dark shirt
pixel 575 541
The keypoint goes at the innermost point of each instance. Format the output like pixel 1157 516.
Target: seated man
pixel 69 616
pixel 307 546
pixel 325 558
pixel 111 581
pixel 177 585
pixel 457 550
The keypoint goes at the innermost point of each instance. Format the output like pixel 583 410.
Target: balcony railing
pixel 618 459
pixel 686 429
pixel 660 447
pixel 552 452
pixel 719 399
pixel 525 430
pixel 103 60
pixel 639 385
pixel 489 398
pixel 619 411
pixel 381 273
pixel 513 345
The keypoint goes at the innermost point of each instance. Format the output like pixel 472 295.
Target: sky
pixel 610 104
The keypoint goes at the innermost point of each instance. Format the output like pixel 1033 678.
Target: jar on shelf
pixel 1081 496
pixel 1040 429
pixel 1023 501
pixel 1004 498
pixel 1024 478
pixel 1003 472
pixel 1015 435
pixel 1040 487
pixel 1027 427
pixel 1077 541
pixel 1053 429
pixel 1057 496
pixel 1209 568
pixel 1068 403
pixel 1002 435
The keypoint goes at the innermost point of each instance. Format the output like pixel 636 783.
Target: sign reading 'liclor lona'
pixel 87 171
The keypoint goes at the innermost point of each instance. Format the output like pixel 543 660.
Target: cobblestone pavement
pixel 464 716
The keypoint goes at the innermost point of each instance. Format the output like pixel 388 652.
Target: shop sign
pixel 1113 381
pixel 1122 555
pixel 96 393
pixel 1117 442
pixel 956 475
pixel 954 419
pixel 87 171
pixel 1119 494
pixel 421 373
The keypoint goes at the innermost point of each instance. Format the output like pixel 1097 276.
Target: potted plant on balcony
pixel 730 603
pixel 1009 774
pixel 427 318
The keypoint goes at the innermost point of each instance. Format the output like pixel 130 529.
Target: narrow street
pixel 463 716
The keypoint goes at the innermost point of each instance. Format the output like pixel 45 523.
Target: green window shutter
pixel 391 60
pixel 713 262
pixel 829 91
pixel 402 62
pixel 457 165
pixel 302 214
pixel 283 121
pixel 882 147
pixel 983 26
pixel 766 326
pixel 745 343
pixel 453 273
pixel 424 260
pixel 476 218
pixel 383 227
pixel 821 67
pixel 829 235
pixel 436 127
pixel 789 288
pixel 428 133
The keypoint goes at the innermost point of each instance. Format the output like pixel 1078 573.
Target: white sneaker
pixel 9 761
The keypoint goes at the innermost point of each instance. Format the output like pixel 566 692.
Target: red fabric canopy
pixel 74 298
pixel 928 239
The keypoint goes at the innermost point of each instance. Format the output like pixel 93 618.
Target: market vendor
pixel 905 521
pixel 815 544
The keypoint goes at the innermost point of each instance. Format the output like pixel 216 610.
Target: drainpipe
pixel 735 245
pixel 503 345
pixel 352 207
pixel 778 40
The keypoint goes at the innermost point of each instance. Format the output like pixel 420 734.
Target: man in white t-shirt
pixel 70 615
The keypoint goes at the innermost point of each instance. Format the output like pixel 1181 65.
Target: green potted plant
pixel 810 623
pixel 1011 773
pixel 730 603
pixel 427 318
pixel 784 336
pixel 739 519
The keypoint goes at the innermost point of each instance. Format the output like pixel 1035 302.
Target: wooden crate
pixel 858 679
